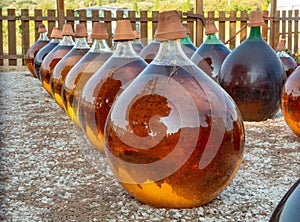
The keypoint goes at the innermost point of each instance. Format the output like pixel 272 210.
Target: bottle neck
pixel 282 54
pixel 100 45
pixel 81 43
pixel 67 41
pixel 55 40
pixel 171 53
pixel 186 41
pixel 255 34
pixel 43 36
pixel 125 49
pixel 212 39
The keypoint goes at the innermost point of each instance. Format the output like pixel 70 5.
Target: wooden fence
pixel 18 30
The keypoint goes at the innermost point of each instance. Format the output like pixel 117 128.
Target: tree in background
pixel 155 5
pixel 135 6
pixel 187 6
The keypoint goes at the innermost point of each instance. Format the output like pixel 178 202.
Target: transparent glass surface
pixel 80 74
pixel 253 75
pixel 103 88
pixel 51 60
pixel 63 67
pixel 174 138
pixel 290 102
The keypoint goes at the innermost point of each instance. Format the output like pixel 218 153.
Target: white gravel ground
pixel 47 173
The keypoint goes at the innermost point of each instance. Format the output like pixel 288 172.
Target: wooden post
pixel 60 13
pixel 273 23
pixel 199 25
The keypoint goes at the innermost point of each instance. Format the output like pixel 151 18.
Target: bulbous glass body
pixel 80 74
pixel 288 62
pixel 63 67
pixel 174 138
pixel 42 54
pixel 288 208
pixel 33 50
pixel 210 55
pixel 290 101
pixel 253 75
pixel 150 51
pixel 51 60
pixel 103 87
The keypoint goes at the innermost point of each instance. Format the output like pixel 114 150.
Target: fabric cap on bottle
pixel 99 31
pixel 281 45
pixel 169 27
pixel 210 28
pixel 124 30
pixel 67 30
pixel 81 31
pixel 42 28
pixel 256 19
pixel 56 33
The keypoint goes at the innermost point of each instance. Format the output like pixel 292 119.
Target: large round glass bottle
pixel 33 50
pixel 290 101
pixel 63 67
pixel 55 36
pixel 211 53
pixel 186 43
pixel 150 51
pixel 110 80
pixel 55 55
pixel 289 64
pixel 174 138
pixel 253 75
pixel 78 76
pixel 288 209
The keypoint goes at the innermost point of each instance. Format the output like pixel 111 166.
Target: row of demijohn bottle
pixel 170 114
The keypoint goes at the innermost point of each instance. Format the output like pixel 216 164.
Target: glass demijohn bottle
pixel 78 76
pixel 55 36
pixel 289 64
pixel 253 75
pixel 174 138
pixel 110 80
pixel 137 44
pixel 186 43
pixel 33 50
pixel 55 55
pixel 63 67
pixel 211 53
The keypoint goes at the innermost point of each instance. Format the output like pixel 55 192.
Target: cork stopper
pixel 123 30
pixel 187 28
pixel 81 31
pixel 169 27
pixel 281 45
pixel 56 33
pixel 99 31
pixel 256 19
pixel 42 28
pixel 210 28
pixel 136 34
pixel 67 30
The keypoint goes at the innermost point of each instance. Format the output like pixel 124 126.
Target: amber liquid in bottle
pixel 49 63
pixel 32 51
pixel 290 102
pixel 61 70
pixel 100 92
pixel 253 75
pixel 153 119
pixel 41 55
pixel 150 51
pixel 210 57
pixel 76 80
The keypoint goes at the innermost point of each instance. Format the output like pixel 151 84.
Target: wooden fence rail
pixel 18 30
